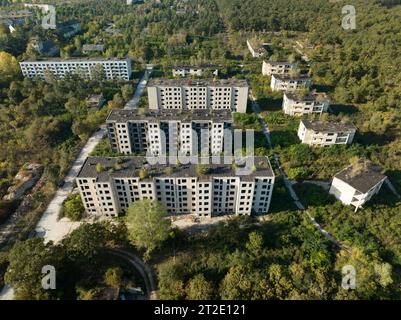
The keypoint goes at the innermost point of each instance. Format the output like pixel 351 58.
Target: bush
pixel 73 207
pixel 202 169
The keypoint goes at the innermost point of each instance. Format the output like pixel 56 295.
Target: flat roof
pixel 287 77
pixel 329 126
pixel 131 166
pixel 200 66
pixel 201 82
pixel 310 96
pixel 125 115
pixel 364 179
pixel 278 63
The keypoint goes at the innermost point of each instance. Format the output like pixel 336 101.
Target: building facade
pixel 355 187
pixel 195 71
pixel 296 105
pixel 87 67
pixel 328 133
pixel 161 132
pixel 109 192
pixel 289 83
pixel 271 67
pixel 256 49
pixel 229 94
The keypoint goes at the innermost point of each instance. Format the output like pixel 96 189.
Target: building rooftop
pixel 310 96
pixel 124 115
pixel 93 47
pixel 287 77
pixel 363 176
pixel 131 166
pixel 201 82
pixel 328 126
pixel 278 63
pixel 200 66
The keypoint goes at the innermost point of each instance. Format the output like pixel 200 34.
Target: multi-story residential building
pixel 296 104
pixel 280 67
pixel 108 186
pixel 256 48
pixel 195 71
pixel 45 48
pixel 161 132
pixel 357 184
pixel 289 83
pixel 111 68
pixel 69 28
pixel 229 94
pixel 323 133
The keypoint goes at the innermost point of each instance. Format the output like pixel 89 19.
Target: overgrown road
pixel 49 226
pixel 141 267
pixel 287 182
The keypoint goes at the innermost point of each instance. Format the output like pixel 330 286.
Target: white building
pixel 326 133
pixel 108 185
pixel 280 67
pixel 231 94
pixel 295 104
pixel 289 83
pixel 356 185
pixel 195 71
pixel 257 50
pixel 161 132
pixel 112 68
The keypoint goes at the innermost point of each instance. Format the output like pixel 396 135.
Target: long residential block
pixel 295 104
pixel 277 67
pixel 326 133
pixel 86 67
pixel 289 83
pixel 230 94
pixel 108 186
pixel 161 132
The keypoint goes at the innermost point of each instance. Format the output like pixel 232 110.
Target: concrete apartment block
pixel 112 68
pixel 231 94
pixel 328 133
pixel 222 190
pixel 356 186
pixel 295 104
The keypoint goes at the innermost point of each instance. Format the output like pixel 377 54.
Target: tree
pixel 143 174
pixel 255 244
pixel 9 68
pixel 113 277
pixel 148 225
pixel 73 207
pixel 202 169
pixel 126 91
pixel 199 288
pixel 85 243
pixel 24 273
pixel 100 168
